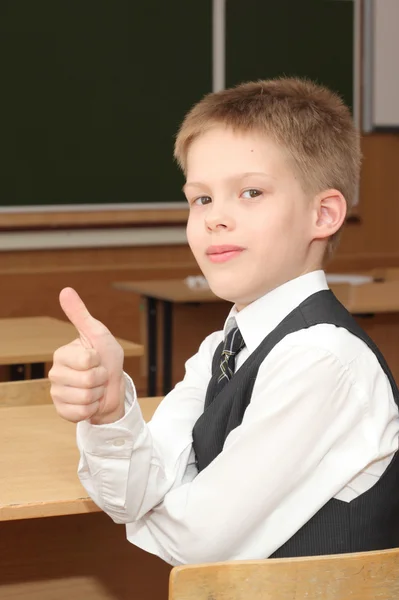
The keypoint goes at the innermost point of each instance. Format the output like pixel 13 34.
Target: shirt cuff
pixel 118 438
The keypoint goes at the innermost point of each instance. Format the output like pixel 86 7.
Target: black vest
pixel 370 521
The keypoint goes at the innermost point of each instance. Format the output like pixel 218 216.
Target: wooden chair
pixel 28 392
pixel 358 576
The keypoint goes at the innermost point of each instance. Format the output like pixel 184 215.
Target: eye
pixel 252 193
pixel 202 200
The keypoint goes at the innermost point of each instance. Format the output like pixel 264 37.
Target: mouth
pixel 219 254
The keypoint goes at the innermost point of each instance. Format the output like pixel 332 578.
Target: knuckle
pixel 81 413
pixel 61 410
pixel 95 358
pixel 84 360
pixel 87 411
pixel 74 415
pixel 57 355
pixel 65 355
pixel 62 351
pixel 85 396
pixel 88 379
pixel 54 393
pixel 54 374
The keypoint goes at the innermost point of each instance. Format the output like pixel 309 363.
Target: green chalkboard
pixel 93 91
pixel 306 38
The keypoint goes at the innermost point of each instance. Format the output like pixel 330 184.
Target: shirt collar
pixel 259 318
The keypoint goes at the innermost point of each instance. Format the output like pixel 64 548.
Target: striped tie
pixel 223 366
pixel 232 345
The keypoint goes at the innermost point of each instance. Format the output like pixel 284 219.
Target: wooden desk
pixel 165 293
pixel 55 543
pixel 38 463
pixel 371 298
pixel 385 273
pixel 171 290
pixel 33 340
pixel 365 299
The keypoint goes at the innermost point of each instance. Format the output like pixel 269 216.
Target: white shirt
pixel 321 423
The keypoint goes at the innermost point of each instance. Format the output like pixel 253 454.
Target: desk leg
pixel 167 346
pixel 152 346
pixel 32 371
pixel 37 371
pixel 17 372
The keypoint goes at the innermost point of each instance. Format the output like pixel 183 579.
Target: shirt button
pixel 119 442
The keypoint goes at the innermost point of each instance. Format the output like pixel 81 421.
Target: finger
pixel 62 394
pixel 75 356
pixel 75 414
pixel 59 374
pixel 76 311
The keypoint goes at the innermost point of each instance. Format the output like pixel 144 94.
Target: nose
pixel 218 218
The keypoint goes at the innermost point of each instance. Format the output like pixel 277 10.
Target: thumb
pixel 76 311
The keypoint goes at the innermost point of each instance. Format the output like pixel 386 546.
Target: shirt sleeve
pixel 304 436
pixel 127 467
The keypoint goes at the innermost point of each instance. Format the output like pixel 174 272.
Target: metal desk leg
pixel 152 346
pixel 167 346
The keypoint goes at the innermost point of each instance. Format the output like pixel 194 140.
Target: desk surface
pixel 174 290
pixel 374 297
pixel 34 339
pixel 38 463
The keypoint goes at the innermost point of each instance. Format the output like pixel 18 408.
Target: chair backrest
pixel 25 393
pixel 358 576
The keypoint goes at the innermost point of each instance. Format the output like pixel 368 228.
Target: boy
pixel 281 440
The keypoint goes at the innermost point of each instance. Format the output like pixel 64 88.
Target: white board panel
pixel 381 65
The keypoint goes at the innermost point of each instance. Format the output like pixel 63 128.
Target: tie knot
pixel 233 342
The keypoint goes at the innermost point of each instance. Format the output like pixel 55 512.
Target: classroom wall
pixel 30 281
pixel 374 241
pixel 97 561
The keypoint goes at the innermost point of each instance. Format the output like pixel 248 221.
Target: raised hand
pixel 87 380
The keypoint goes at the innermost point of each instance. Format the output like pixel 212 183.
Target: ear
pixel 330 212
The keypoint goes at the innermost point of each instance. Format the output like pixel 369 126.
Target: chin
pixel 236 294
pixel 228 291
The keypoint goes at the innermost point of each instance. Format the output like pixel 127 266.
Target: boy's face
pixel 249 226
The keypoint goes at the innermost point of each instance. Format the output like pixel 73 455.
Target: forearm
pixel 115 459
pixel 128 466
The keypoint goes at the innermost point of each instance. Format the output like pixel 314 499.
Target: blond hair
pixel 310 121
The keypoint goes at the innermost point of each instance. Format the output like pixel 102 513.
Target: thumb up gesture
pixel 87 380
